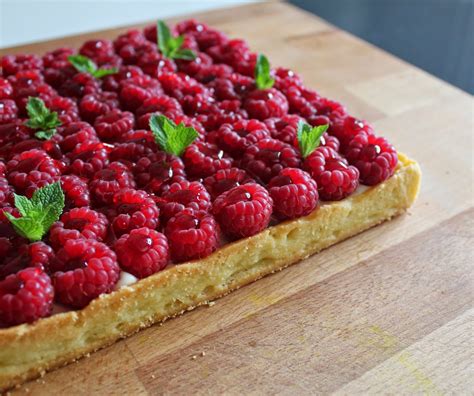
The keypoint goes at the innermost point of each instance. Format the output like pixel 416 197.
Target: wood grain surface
pixel 387 312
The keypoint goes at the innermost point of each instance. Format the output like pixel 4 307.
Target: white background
pixel 25 21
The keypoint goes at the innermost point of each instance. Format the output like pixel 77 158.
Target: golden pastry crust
pixel 27 351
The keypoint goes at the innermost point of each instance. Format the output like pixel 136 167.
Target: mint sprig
pixel 38 213
pixel 263 78
pixel 84 64
pixel 170 137
pixel 41 118
pixel 169 46
pixel 309 137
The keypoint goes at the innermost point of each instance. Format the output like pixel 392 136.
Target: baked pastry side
pixel 27 351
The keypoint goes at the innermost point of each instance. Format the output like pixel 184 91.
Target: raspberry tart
pixel 145 176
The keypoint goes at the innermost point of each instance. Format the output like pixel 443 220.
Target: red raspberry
pixel 301 100
pixel 285 78
pixel 6 90
pixel 156 105
pixel 133 209
pixel 25 297
pixel 233 87
pixel 57 68
pixel 345 129
pixel 266 158
pixel 74 134
pixel 225 179
pixel 204 36
pixel 131 37
pixel 88 158
pixel 10 135
pixel 12 64
pixel 25 79
pixel 31 170
pixel 192 234
pixel 373 156
pixel 80 85
pixel 57 58
pixel 235 138
pixel 3 169
pixel 134 145
pixel 132 52
pixel 263 104
pixel 196 104
pixel 94 105
pixel 111 126
pixel 284 128
pixel 294 193
pixel 203 159
pixel 65 107
pixel 179 85
pixel 329 108
pixel 136 90
pixel 75 191
pixel 85 269
pixel 143 252
pixel 8 111
pixel 15 258
pixel 243 211
pixel 182 195
pixel 157 170
pixel 225 112
pixel 113 82
pixel 100 51
pixel 210 73
pixel 192 68
pixel 232 52
pixel 109 180
pixel 6 192
pixel 78 223
pixel 188 121
pixel 335 179
pixel 153 63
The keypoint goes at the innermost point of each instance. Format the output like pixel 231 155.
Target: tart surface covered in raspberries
pixel 127 156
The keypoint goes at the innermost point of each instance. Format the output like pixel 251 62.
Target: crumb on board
pixel 153 376
pixel 211 303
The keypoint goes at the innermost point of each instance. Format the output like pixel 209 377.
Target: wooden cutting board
pixel 389 311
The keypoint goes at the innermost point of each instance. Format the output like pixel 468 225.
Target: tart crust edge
pixel 29 350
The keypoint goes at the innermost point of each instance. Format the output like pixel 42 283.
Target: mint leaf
pixel 169 46
pixel 41 118
pixel 309 137
pixel 170 137
pixel 84 64
pixel 263 78
pixel 38 213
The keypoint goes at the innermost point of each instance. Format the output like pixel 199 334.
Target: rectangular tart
pixel 28 350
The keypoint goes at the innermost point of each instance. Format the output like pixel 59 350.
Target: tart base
pixel 27 351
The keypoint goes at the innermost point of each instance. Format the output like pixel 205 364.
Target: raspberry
pixel 109 180
pixel 191 68
pixel 131 37
pixel 203 159
pixel 286 78
pixel 161 104
pixel 8 111
pixel 57 58
pixel 225 179
pixel 16 258
pixel 113 82
pixel 194 105
pixel 57 68
pixel 12 64
pixel 284 128
pixel 225 112
pixel 294 193
pixel 75 191
pixel 6 192
pixel 204 36
pixel 235 138
pixel 100 51
pixel 373 156
pixel 330 108
pixel 266 158
pixel 80 85
pixel 231 52
pixel 85 269
pixel 112 125
pixel 143 252
pixel 74 134
pixel 188 121
pixel 94 105
pixel 65 107
pixel 179 85
pixel 30 170
pixel 182 195
pixel 10 135
pixel 25 297
pixel 78 223
pixel 243 211
pixel 208 74
pixel 136 90
pixel 345 129
pixel 153 63
pixel 158 169
pixel 88 158
pixel 263 104
pixel 192 234
pixel 133 209
pixel 233 87
pixel 6 90
pixel 133 146
pixel 335 179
